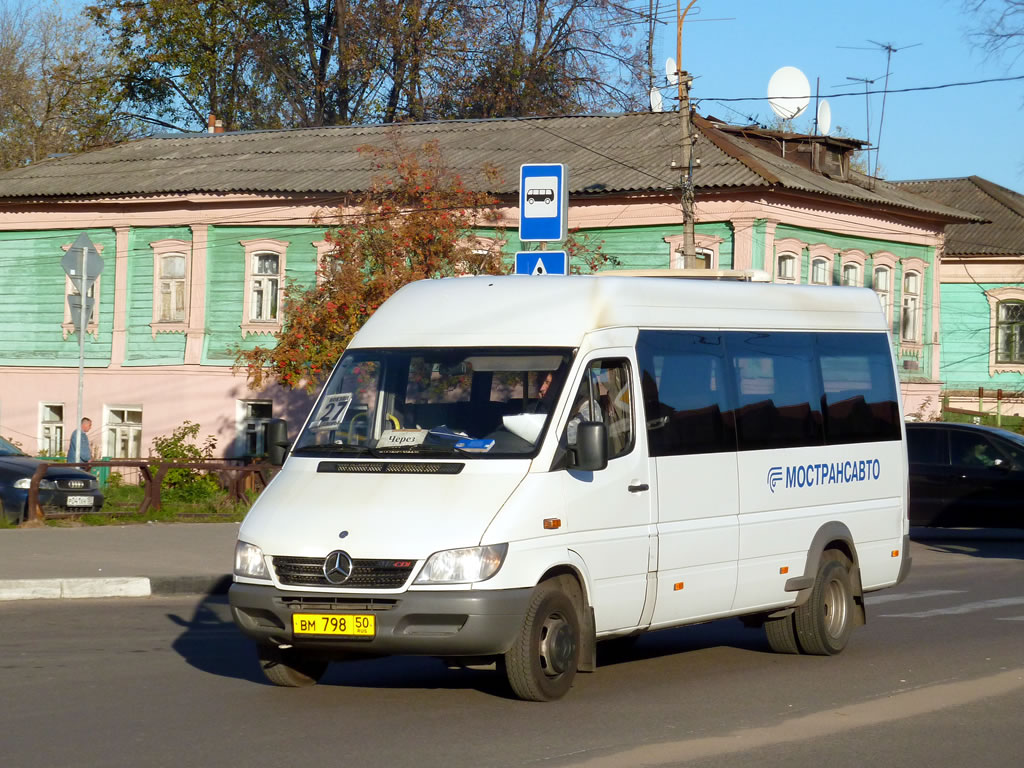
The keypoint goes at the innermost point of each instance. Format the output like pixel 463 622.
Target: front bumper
pixel 473 623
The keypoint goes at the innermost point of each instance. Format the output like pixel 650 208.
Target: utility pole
pixel 686 131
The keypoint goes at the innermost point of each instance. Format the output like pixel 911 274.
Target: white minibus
pixel 513 469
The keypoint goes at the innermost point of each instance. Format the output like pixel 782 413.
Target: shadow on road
pixel 213 644
pixel 723 633
pixel 995 543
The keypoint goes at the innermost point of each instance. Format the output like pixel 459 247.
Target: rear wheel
pixel 290 668
pixel 542 662
pixel 824 622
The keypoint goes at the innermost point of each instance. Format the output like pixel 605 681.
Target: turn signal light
pixel 895 553
pixel 552 523
pixel 677 586
pixel 784 569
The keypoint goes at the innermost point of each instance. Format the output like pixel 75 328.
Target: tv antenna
pixel 867 101
pixel 889 49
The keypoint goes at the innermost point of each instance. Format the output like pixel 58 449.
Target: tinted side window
pixel 684 378
pixel 778 390
pixel 927 446
pixel 860 388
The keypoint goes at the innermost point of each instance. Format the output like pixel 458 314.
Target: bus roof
pixel 557 311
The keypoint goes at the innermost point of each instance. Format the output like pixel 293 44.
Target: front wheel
pixel 824 622
pixel 290 668
pixel 542 662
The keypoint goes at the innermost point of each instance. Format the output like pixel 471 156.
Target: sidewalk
pixel 116 561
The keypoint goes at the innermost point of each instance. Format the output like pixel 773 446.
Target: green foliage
pixel 180 482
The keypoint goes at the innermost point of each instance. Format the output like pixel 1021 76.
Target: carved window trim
pixel 252 248
pixel 161 249
pixel 996 296
pixel 884 261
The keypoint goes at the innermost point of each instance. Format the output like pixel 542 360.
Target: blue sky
pixel 952 132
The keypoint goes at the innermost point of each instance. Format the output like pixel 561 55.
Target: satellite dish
pixel 672 71
pixel 824 117
pixel 789 92
pixel 656 101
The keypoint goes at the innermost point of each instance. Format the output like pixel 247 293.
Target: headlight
pixel 461 566
pixel 249 561
pixel 44 484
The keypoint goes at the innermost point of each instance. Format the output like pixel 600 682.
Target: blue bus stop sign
pixel 543 203
pixel 542 263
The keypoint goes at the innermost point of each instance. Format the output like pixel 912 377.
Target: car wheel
pixel 289 667
pixel 824 622
pixel 542 662
pixel 781 634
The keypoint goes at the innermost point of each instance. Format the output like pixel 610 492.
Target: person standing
pixel 86 455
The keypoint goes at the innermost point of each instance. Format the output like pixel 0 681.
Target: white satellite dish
pixel 789 92
pixel 656 100
pixel 672 71
pixel 824 117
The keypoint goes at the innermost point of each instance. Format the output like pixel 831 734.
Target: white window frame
pixel 787 258
pixel 253 248
pixel 708 244
pixel 162 249
pixel 254 425
pixel 56 436
pixel 824 265
pixel 112 431
pixel 911 307
pixel 883 260
pixel 851 275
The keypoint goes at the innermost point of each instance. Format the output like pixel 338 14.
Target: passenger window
pixel 861 403
pixel 778 389
pixel 605 394
pixel 927 446
pixel 973 451
pixel 684 384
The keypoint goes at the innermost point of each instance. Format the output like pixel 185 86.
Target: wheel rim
pixel 835 608
pixel 557 645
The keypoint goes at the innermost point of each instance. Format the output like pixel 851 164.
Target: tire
pixel 781 634
pixel 290 668
pixel 542 662
pixel 825 621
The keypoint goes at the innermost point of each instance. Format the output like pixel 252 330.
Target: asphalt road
pixel 936 678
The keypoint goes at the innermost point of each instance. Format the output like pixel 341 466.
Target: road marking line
pixel 956 610
pixel 1010 618
pixel 882 711
pixel 891 597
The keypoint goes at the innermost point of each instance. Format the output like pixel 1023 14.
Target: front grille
pixel 344 604
pixel 74 484
pixel 366 574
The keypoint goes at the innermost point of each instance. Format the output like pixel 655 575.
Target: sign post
pixel 83 265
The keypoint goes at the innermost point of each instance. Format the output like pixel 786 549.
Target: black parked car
pixel 965 476
pixel 68 488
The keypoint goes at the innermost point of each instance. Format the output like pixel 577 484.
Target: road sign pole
pixel 82 290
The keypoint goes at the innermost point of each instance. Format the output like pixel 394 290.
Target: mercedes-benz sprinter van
pixel 513 469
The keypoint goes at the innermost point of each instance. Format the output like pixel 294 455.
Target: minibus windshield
pixel 479 401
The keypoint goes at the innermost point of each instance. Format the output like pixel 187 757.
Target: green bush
pixel 182 483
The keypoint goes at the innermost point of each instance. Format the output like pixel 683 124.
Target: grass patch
pixel 122 502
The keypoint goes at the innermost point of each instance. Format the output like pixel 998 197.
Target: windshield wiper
pixel 333 448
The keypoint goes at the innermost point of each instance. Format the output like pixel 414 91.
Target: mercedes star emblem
pixel 338 567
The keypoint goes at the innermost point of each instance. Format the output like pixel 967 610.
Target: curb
pixel 132 586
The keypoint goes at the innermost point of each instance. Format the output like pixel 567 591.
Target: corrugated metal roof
pixel 605 154
pixel 1002 232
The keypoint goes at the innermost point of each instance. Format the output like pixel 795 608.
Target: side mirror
pixel 277 441
pixel 591 451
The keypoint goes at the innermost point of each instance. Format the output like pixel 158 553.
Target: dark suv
pixel 67 488
pixel 965 475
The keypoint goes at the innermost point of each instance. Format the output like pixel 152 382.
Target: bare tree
pixel 1000 28
pixel 54 85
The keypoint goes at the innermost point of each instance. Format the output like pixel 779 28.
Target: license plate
pixel 79 501
pixel 344 624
